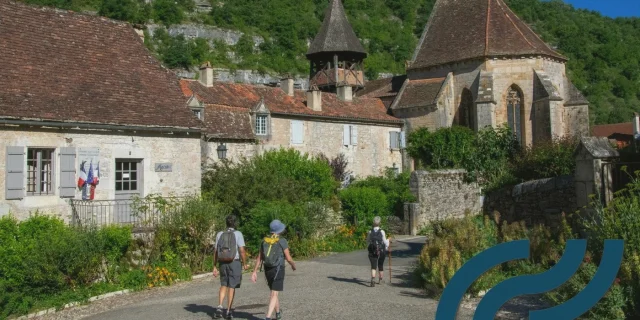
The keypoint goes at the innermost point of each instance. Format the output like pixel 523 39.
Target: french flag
pixel 91 179
pixel 83 175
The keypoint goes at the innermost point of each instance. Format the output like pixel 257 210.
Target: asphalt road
pixel 332 287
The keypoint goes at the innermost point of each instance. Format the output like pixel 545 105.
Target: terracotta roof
pixel 386 87
pixel 460 30
pixel 278 102
pixel 608 130
pixel 336 33
pixel 228 122
pixel 64 66
pixel 420 93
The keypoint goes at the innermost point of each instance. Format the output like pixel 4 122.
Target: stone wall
pixel 535 202
pixel 211 33
pixel 442 194
pixel 183 152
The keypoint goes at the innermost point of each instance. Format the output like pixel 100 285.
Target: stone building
pixel 245 120
pixel 477 65
pixel 81 94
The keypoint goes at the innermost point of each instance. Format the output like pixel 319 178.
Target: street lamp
pixel 222 151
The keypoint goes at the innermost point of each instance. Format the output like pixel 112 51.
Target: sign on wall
pixel 164 167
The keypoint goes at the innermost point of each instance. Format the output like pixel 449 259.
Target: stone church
pixel 477 65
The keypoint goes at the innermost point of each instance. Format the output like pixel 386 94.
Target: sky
pixel 610 8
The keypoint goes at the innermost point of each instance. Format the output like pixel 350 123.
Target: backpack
pixel 376 243
pixel 272 257
pixel 227 246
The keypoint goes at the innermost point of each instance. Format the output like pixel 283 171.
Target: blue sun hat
pixel 276 226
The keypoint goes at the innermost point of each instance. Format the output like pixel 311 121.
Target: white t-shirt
pixel 384 237
pixel 239 240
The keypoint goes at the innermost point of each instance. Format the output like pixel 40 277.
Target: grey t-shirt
pixel 280 247
pixel 239 241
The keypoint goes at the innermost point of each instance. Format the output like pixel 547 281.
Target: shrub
pixel 395 188
pixel 610 307
pixel 442 149
pixel 361 204
pixel 546 159
pixel 284 174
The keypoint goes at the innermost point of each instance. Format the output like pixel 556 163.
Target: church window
pixel 514 106
pixel 465 115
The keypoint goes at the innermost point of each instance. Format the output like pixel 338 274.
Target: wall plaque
pixel 164 167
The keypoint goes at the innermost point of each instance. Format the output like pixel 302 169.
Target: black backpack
pixel 376 243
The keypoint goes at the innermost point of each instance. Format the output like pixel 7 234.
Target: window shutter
pixel 393 140
pixel 354 135
pixel 346 135
pixel 403 140
pixel 15 173
pixel 297 132
pixel 67 172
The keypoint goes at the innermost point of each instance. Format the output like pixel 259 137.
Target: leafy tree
pixel 168 12
pixel 125 10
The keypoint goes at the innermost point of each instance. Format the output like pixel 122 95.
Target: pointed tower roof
pixel 336 33
pixel 459 30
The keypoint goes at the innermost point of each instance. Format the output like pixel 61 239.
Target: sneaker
pixel 229 314
pixel 218 313
pixel 279 315
pixel 380 281
pixel 373 282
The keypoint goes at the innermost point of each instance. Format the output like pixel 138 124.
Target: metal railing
pixel 139 213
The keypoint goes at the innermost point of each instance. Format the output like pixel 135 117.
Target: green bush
pixel 546 160
pixel 361 204
pixel 442 149
pixel 284 174
pixel 395 188
pixel 610 307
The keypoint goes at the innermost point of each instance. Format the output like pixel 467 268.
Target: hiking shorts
pixel 231 274
pixel 377 262
pixel 275 278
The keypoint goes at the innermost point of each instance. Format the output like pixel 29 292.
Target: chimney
pixel 345 92
pixel 636 124
pixel 286 83
pixel 314 98
pixel 206 74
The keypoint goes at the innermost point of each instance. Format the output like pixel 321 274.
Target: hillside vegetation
pixel 604 53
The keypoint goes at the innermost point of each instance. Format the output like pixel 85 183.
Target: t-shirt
pixel 384 238
pixel 280 246
pixel 239 241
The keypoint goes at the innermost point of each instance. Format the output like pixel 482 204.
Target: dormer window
pixel 197 113
pixel 261 124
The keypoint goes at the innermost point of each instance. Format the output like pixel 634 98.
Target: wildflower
pixel 617 281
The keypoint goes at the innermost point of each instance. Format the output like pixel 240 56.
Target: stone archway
pixel 465 114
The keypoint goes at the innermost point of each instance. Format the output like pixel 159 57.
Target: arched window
pixel 465 114
pixel 514 106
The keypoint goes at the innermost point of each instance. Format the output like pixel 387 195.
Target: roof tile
pixel 64 66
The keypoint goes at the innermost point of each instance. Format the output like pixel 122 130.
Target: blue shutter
pixel 403 140
pixel 354 135
pixel 393 140
pixel 14 183
pixel 67 172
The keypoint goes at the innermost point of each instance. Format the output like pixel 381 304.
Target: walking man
pixel 378 246
pixel 273 253
pixel 229 250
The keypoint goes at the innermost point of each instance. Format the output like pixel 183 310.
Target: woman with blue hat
pixel 274 251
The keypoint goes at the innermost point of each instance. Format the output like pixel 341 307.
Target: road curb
pixel 407 239
pixel 92 299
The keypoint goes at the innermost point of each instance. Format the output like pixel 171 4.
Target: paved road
pixel 325 288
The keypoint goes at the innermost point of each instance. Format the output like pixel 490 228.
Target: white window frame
pixel 197 113
pixel 38 187
pixel 300 139
pixel 262 124
pixel 350 135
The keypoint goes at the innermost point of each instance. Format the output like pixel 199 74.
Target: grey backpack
pixel 272 252
pixel 227 246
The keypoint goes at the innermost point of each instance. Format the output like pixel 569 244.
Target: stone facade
pixel 535 202
pixel 543 113
pixel 442 194
pixel 181 151
pixel 369 156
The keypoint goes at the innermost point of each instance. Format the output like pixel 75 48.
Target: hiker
pixel 273 253
pixel 229 250
pixel 378 246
